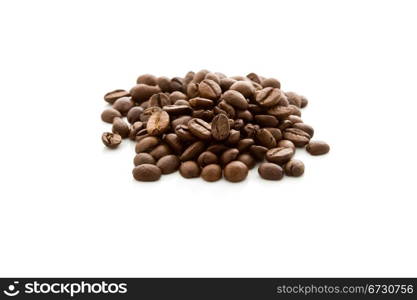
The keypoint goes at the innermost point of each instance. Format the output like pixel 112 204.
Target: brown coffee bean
pixel 212 76
pixel 182 102
pixel 143 158
pixel 147 144
pixel 245 88
pixel 141 134
pixel 299 137
pixel 148 112
pixel 158 123
pixel 268 97
pixel 190 169
pixel 164 84
pixel 295 110
pixel 160 151
pixel 255 109
pixel 254 77
pixel 234 137
pixel 227 108
pixel 266 120
pixel 178 109
pixel 174 142
pixel 247 159
pixel 134 129
pixel 200 128
pixel 293 98
pixel 250 130
pixel 177 84
pixel 279 155
pixel 200 75
pixel 134 113
pixel 144 104
pixel 146 172
pixel 111 140
pixel 281 112
pixel 304 102
pixel 204 114
pixel 245 115
pixel 209 89
pixel 265 138
pixel 192 90
pixel 120 127
pixel 194 150
pixel 244 144
pixel 142 92
pixel 294 168
pixel 199 102
pixel 211 173
pixel 317 148
pixel 295 119
pixel 184 133
pixel 180 121
pixel 160 100
pixel 123 105
pixel 228 156
pixel 168 164
pixel 304 127
pixel 276 133
pixel 109 114
pixel 270 171
pixel 148 79
pixel 226 83
pixel 217 148
pixel 177 95
pixel 220 127
pixel 112 96
pixel 207 158
pixel 286 144
pixel 258 152
pixel 235 99
pixel 238 124
pixel 271 82
pixel 188 78
pixel 235 171
pixel 284 124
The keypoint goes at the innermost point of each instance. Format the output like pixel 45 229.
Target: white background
pixel 70 207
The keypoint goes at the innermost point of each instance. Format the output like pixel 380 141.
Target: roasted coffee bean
pixel 123 105
pixel 199 102
pixel 158 123
pixel 174 142
pixel 192 90
pixel 244 144
pixel 256 109
pixel 134 129
pixel 211 173
pixel 168 164
pixel 160 151
pixel 281 112
pixel 144 104
pixel 227 108
pixel 207 158
pixel 147 144
pixel 184 134
pixel 180 121
pixel 304 102
pixel 293 98
pixel 204 114
pixel 134 113
pixel 111 140
pixel 141 134
pixel 245 88
pixel 177 84
pixel 235 99
pixel 294 168
pixel 190 169
pixel 148 79
pixel 228 156
pixel 295 110
pixel 148 112
pixel 212 76
pixel 109 114
pixel 284 124
pixel 265 138
pixel 182 102
pixel 276 133
pixel 238 124
pixel 286 144
pixel 160 100
pixel 193 151
pixel 177 95
pixel 270 171
pixel 234 137
pixel 226 83
pixel 317 148
pixel 235 171
pixel 245 115
pixel 254 77
pixel 271 82
pixel 304 127
pixel 143 158
pixel 178 109
pixel 200 128
pixel 247 159
pixel 112 96
pixel 146 172
pixel 279 155
pixel 266 120
pixel 295 119
pixel 209 89
pixel 250 130
pixel 200 75
pixel 142 92
pixel 164 84
pixel 268 97
pixel 299 137
pixel 220 127
pixel 188 77
pixel 120 127
pixel 217 148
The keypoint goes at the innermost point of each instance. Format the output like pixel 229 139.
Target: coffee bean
pixel 200 75
pixel 276 133
pixel 141 134
pixel 177 84
pixel 244 144
pixel 184 134
pixel 213 77
pixel 207 158
pixel 254 77
pixel 211 173
pixel 228 156
pixel 279 155
pixel 281 112
pixel 235 171
pixel 317 148
pixel 178 109
pixel 217 148
pixel 174 142
pixel 238 124
pixel 270 171
pixel 200 128
pixel 142 92
pixel 271 82
pixel 245 88
pixel 220 127
pixel 164 84
pixel 120 127
pixel 235 99
pixel 294 168
pixel 168 164
pixel 304 102
pixel 160 100
pixel 293 98
pixel 250 130
pixel 226 83
pixel 134 129
pixel 177 95
pixel 227 108
pixel 199 102
pixel 268 97
pixel 160 151
pixel 147 144
pixel 134 113
pixel 304 127
pixel 299 137
pixel 258 152
pixel 148 112
pixel 284 124
pixel 109 114
pixel 189 169
pixel 188 78
pixel 143 158
pixel 265 138
pixel 266 120
pixel 192 89
pixel 256 109
pixel 245 115
pixel 112 96
pixel 234 137
pixel 147 79
pixel 286 144
pixel 182 102
pixel 146 172
pixel 158 123
pixel 295 119
pixel 204 114
pixel 111 140
pixel 247 159
pixel 295 110
pixel 209 89
pixel 192 151
pixel 180 121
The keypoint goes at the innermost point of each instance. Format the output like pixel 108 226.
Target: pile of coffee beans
pixel 211 126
